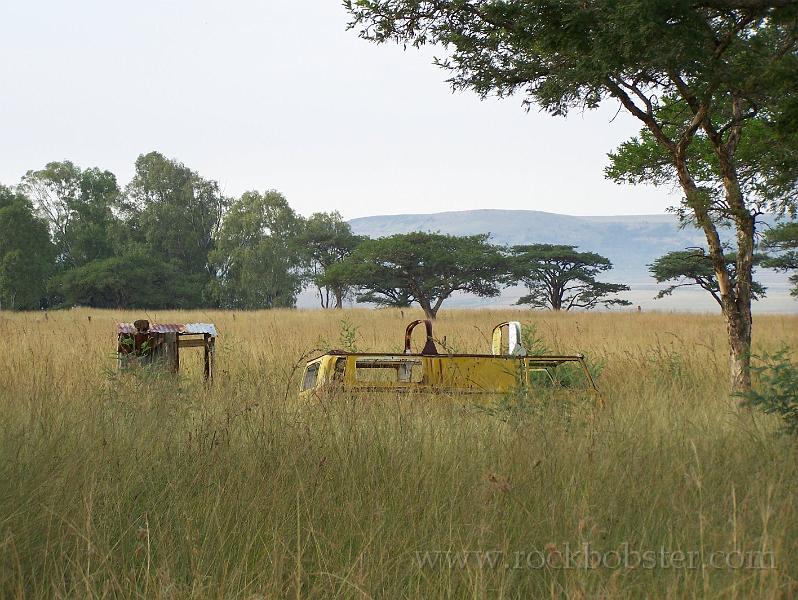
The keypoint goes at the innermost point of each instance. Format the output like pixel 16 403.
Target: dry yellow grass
pixel 142 486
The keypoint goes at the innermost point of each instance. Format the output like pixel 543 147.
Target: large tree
pixel 259 257
pixel 175 214
pixel 425 268
pixel 561 278
pixel 26 253
pixel 783 240
pixel 327 239
pixel 78 206
pixel 693 267
pixel 721 63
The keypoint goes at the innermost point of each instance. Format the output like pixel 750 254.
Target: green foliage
pixel 425 268
pixel 766 162
pixel 347 335
pixel 135 279
pixel 694 268
pixel 563 55
pixel 177 215
pixel 532 341
pixel 327 239
pixel 259 257
pixel 78 207
pixel 783 240
pixel 777 389
pixel 561 278
pixel 26 254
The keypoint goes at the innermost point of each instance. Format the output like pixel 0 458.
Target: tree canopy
pixel 175 214
pixel 783 240
pixel 422 268
pixel 685 268
pixel 561 278
pixel 134 279
pixel 258 258
pixel 78 207
pixel 26 253
pixel 327 239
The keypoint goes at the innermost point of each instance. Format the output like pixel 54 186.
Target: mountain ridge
pixel 624 239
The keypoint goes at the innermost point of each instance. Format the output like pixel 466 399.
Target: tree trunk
pixel 736 308
pixel 430 312
pixel 739 330
pixel 738 312
pixel 339 298
pixel 556 293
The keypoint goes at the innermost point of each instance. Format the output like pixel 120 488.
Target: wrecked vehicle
pixel 508 368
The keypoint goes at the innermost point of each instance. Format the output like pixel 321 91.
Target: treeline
pixel 172 239
pixel 169 239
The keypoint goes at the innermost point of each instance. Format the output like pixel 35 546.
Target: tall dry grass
pixel 156 487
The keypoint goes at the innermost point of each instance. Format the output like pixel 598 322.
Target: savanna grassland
pixel 156 487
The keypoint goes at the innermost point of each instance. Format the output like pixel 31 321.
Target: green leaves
pixel 258 254
pixel 560 278
pixel 78 207
pixel 694 268
pixel 776 392
pixel 26 254
pixel 327 239
pixel 425 268
pixel 175 212
pixel 783 240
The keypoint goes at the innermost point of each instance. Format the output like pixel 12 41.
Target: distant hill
pixel 631 242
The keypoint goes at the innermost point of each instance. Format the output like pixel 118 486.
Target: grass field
pixel 152 487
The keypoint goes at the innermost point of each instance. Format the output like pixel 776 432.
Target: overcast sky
pixel 262 94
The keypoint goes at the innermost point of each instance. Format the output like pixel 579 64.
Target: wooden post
pixel 171 352
pixel 212 350
pixel 207 349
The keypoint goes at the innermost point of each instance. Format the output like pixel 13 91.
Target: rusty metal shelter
pixel 141 343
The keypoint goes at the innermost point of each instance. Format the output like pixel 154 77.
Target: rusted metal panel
pixel 154 328
pixel 429 344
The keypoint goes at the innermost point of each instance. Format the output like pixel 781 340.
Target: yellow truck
pixel 507 369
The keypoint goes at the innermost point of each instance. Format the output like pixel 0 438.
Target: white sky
pixel 264 94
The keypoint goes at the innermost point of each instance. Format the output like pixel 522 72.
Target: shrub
pixel 777 389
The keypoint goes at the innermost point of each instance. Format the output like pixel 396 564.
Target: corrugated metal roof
pixel 208 328
pixel 203 328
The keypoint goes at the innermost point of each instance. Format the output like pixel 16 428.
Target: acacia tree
pixel 685 268
pixel 328 239
pixel 422 268
pixel 724 62
pixel 783 240
pixel 561 278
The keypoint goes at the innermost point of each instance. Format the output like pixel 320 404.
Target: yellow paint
pixel 486 374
